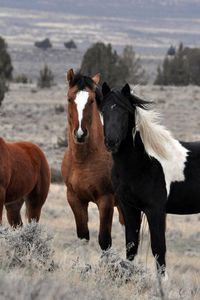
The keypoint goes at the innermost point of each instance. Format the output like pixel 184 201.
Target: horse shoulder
pixel 66 166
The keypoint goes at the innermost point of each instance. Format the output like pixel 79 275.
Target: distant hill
pixel 150 26
pixel 125 8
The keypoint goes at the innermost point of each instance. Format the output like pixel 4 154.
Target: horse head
pixel 82 94
pixel 118 108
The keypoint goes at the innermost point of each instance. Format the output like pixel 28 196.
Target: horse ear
pixel 96 78
pixel 70 75
pixel 105 89
pixel 126 90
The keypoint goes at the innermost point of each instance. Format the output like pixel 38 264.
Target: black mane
pixel 138 102
pixel 82 81
pixel 129 102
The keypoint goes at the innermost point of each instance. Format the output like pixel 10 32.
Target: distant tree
pixel 44 44
pixel 171 51
pixel 193 65
pixel 6 69
pixel 114 69
pixel 102 58
pixel 181 69
pixel 46 78
pixel 3 88
pixel 136 73
pixel 70 45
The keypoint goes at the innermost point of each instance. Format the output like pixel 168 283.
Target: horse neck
pixel 131 149
pixel 94 144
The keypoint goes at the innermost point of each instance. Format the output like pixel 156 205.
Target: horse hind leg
pixel 34 202
pixel 13 212
pixel 37 197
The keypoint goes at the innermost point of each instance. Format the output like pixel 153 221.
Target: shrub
pixel 29 246
pixel 114 69
pixel 46 79
pixel 70 45
pixel 45 44
pixel 22 78
pixel 56 176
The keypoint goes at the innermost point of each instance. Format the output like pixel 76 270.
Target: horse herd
pixel 118 155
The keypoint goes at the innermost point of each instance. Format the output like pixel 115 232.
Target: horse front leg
pixel 132 219
pixel 80 210
pixel 157 223
pixel 106 208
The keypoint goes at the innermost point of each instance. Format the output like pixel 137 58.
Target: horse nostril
pixel 110 143
pixel 85 132
pixel 80 134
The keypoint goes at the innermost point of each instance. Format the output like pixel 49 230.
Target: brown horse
pixel 24 176
pixel 86 167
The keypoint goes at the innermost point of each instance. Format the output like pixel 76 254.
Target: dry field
pixel 47 261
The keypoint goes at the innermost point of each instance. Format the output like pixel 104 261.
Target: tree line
pixel 180 66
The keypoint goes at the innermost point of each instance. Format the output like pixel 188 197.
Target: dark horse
pixel 86 167
pixel 24 176
pixel 152 172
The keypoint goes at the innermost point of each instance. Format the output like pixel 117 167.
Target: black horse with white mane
pixel 152 172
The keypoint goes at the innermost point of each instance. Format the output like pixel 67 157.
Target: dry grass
pixel 47 261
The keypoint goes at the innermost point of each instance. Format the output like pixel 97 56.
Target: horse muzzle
pixel 80 136
pixel 112 146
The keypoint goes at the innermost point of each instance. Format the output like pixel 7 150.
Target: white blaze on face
pixel 81 100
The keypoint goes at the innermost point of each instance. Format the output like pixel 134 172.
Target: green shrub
pixel 22 78
pixel 182 68
pixel 114 69
pixel 46 79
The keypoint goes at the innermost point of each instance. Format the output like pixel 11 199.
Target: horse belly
pixel 23 179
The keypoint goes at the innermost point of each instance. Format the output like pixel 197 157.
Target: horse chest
pixel 89 183
pixel 138 189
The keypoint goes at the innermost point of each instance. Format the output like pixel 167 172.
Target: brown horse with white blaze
pixel 24 176
pixel 86 167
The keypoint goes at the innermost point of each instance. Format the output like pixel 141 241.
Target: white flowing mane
pixel 160 144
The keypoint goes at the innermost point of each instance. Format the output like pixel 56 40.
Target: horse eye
pixel 69 100
pixel 113 106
